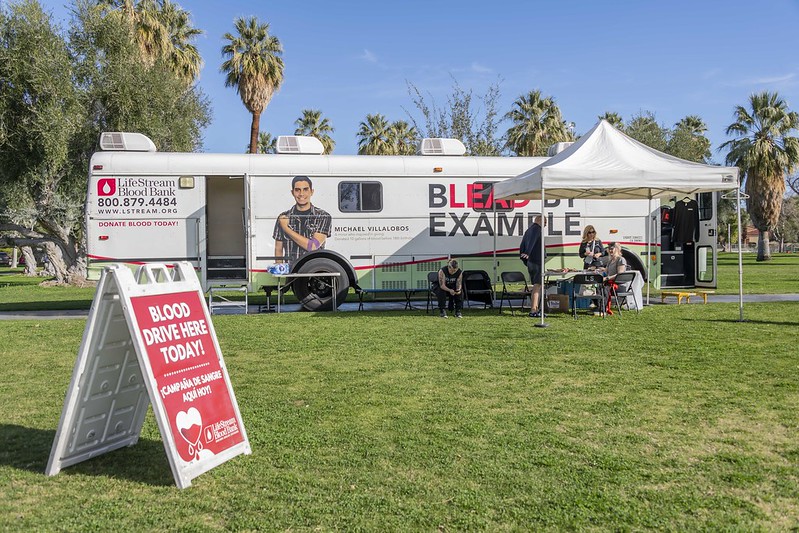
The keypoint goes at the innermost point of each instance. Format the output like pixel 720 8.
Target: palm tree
pixel 266 143
pixel 537 124
pixel 182 56
pixel 311 123
pixel 765 154
pixel 693 124
pixel 403 137
pixel 161 30
pixel 374 136
pixel 143 19
pixel 614 119
pixel 254 67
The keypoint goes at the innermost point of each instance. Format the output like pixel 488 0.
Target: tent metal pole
pixel 740 256
pixel 650 233
pixel 541 305
pixel 496 266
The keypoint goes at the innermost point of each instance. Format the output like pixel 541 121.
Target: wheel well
pixel 328 254
pixel 635 262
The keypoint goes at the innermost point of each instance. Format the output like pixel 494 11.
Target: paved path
pixel 386 306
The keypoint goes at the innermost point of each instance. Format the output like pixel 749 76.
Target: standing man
pixel 303 228
pixel 530 254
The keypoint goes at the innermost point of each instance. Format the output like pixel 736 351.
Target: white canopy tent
pixel 607 164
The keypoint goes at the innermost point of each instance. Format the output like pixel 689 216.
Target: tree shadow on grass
pixel 745 321
pixel 29 449
pixel 43 305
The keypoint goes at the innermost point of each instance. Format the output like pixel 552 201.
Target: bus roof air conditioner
pixel 299 144
pixel 557 148
pixel 120 141
pixel 441 147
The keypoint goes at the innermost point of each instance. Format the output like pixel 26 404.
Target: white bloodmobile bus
pixel 392 219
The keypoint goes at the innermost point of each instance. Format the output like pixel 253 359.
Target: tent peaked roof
pixel 606 163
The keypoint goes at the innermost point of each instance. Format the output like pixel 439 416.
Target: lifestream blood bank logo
pixel 106 187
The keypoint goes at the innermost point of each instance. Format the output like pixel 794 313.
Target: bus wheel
pixel 316 293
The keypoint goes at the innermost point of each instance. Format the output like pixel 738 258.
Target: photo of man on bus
pixel 303 228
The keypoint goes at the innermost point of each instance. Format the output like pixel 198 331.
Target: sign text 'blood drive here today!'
pixel 185 365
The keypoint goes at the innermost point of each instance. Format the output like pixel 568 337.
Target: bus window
pixel 704 263
pixel 360 196
pixel 705 205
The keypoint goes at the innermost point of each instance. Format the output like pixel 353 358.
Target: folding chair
pixel 432 283
pixel 508 292
pixel 592 281
pixel 624 290
pixel 477 287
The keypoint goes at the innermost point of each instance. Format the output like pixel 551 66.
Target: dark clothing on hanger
pixel 686 221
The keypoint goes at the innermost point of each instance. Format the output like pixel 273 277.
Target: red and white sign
pixel 188 377
pixel 149 340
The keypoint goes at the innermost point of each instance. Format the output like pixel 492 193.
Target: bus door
pixel 705 251
pixel 226 250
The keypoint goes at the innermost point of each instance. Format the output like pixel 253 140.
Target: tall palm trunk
pixel 255 127
pixel 763 247
pixel 763 204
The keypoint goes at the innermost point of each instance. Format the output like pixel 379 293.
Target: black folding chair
pixel 432 284
pixel 477 287
pixel 511 281
pixel 592 287
pixel 624 290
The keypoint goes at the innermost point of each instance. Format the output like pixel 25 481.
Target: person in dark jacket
pixel 591 249
pixel 530 254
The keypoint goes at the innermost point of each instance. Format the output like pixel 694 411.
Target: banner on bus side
pixel 149 339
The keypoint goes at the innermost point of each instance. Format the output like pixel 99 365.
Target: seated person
pixel 616 265
pixel 450 285
pixel 591 249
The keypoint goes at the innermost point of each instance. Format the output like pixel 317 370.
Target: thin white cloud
pixel 773 79
pixel 784 79
pixel 368 56
pixel 474 68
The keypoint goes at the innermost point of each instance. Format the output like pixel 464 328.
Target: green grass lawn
pixel 677 418
pixel 779 276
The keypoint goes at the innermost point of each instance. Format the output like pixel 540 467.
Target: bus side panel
pixel 424 220
pixel 138 219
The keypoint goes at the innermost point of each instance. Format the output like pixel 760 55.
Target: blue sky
pixel 351 58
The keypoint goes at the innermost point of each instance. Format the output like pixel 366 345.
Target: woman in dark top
pixel 450 285
pixel 591 249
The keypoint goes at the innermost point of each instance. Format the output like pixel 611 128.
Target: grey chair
pixel 514 287
pixel 624 281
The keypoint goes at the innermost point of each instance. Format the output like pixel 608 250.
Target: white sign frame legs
pixel 85 429
pixel 115 323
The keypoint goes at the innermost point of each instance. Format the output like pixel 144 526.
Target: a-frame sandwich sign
pixel 149 338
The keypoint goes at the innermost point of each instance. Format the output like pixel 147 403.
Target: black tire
pixel 316 293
